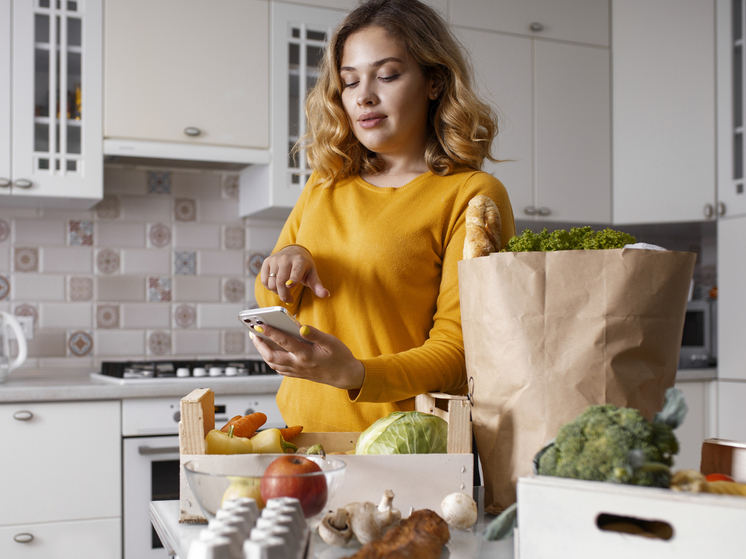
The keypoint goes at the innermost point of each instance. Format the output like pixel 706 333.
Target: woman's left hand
pixel 326 360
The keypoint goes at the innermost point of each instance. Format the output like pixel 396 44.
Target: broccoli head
pixel 578 238
pixel 609 443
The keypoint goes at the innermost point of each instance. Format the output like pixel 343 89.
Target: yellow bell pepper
pixel 219 442
pixel 270 441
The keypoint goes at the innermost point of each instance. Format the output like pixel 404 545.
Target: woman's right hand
pixel 291 266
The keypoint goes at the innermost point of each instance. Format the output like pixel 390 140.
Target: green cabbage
pixel 405 432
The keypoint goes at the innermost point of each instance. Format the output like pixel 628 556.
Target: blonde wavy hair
pixel 460 126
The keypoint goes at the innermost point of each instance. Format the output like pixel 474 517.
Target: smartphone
pixel 276 317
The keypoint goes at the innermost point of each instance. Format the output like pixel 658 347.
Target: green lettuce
pixel 405 432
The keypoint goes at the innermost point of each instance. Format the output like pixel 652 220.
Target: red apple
pixel 299 477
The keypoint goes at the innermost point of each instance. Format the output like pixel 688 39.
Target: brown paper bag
pixel 547 334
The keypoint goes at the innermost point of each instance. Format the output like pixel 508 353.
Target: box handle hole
pixel 656 529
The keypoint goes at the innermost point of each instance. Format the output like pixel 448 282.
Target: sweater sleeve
pixel 438 365
pixel 288 236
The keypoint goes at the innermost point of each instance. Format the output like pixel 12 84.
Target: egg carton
pixel 240 531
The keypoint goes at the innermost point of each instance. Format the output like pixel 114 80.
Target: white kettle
pixel 6 366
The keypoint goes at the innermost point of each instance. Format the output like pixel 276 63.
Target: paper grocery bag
pixel 547 334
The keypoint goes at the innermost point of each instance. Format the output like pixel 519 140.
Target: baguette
pixel 483 228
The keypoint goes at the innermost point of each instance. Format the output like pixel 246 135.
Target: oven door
pixel 150 473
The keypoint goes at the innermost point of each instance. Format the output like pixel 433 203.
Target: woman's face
pixel 384 93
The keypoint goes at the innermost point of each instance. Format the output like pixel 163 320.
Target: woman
pixel 369 254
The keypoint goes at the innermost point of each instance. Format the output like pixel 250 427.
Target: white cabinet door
pixel 91 539
pixel 61 461
pixel 731 411
pixel 56 129
pixel 187 71
pixel 696 427
pixel 664 110
pixel 731 320
pixel 5 174
pixel 581 21
pixel 573 135
pixel 503 68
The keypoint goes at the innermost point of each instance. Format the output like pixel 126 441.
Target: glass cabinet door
pixel 57 138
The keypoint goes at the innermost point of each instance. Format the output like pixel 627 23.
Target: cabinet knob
pixel 23 537
pixel 544 211
pixel 721 209
pixel 192 131
pixel 709 211
pixel 529 210
pixel 23 415
pixel 536 27
pixel 5 183
pixel 23 183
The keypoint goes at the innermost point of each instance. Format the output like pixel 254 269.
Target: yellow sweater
pixel 388 257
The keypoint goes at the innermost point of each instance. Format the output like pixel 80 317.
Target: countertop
pixel 27 385
pixel 464 544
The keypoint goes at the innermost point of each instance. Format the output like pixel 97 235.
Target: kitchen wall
pixel 160 267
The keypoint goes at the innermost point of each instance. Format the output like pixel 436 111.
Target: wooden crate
pixel 720 456
pixel 418 480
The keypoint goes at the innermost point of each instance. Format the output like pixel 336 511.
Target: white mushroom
pixel 335 528
pixel 369 522
pixel 459 511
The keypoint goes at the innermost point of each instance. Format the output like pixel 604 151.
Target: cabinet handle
pixel 536 27
pixel 721 209
pixel 544 211
pixel 23 183
pixel 5 183
pixel 709 211
pixel 23 537
pixel 23 415
pixel 529 210
pixel 192 131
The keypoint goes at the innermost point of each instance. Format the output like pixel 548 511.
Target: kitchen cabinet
pixel 194 82
pixel 731 411
pixel 299 34
pixel 50 74
pixel 700 397
pixel 731 319
pixel 579 21
pixel 730 107
pixel 62 473
pixel 663 79
pixel 554 102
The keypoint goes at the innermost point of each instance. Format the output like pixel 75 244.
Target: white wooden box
pixel 417 480
pixel 560 518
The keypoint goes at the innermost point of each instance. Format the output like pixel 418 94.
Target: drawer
pixel 90 539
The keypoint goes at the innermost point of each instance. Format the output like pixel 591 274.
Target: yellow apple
pixel 244 487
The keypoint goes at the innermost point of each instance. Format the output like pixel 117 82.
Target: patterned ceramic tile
pixel 107 261
pixel 80 233
pixel 107 316
pixel 234 289
pixel 159 182
pixel 230 187
pixel 159 235
pixel 185 263
pixel 159 289
pixel 26 259
pixel 25 309
pixel 108 208
pixel 185 316
pixel 79 343
pixel 185 209
pixel 234 237
pixel 254 263
pixel 4 230
pixel 80 288
pixel 234 342
pixel 4 287
pixel 159 343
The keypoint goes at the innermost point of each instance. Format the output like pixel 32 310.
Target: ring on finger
pixel 272 275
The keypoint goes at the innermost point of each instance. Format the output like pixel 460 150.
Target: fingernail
pixel 305 330
pixel 289 283
pixel 251 335
pixel 259 329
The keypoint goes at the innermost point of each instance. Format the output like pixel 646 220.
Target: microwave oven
pixel 699 338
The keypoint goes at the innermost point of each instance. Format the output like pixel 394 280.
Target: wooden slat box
pixel 417 480
pixel 559 517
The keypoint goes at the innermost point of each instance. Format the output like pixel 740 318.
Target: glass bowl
pixel 209 479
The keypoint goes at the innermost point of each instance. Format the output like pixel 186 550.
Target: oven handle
pixel 151 450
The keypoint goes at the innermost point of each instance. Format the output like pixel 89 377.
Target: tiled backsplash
pixel 160 267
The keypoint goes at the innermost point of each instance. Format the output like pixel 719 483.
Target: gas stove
pixel 151 372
